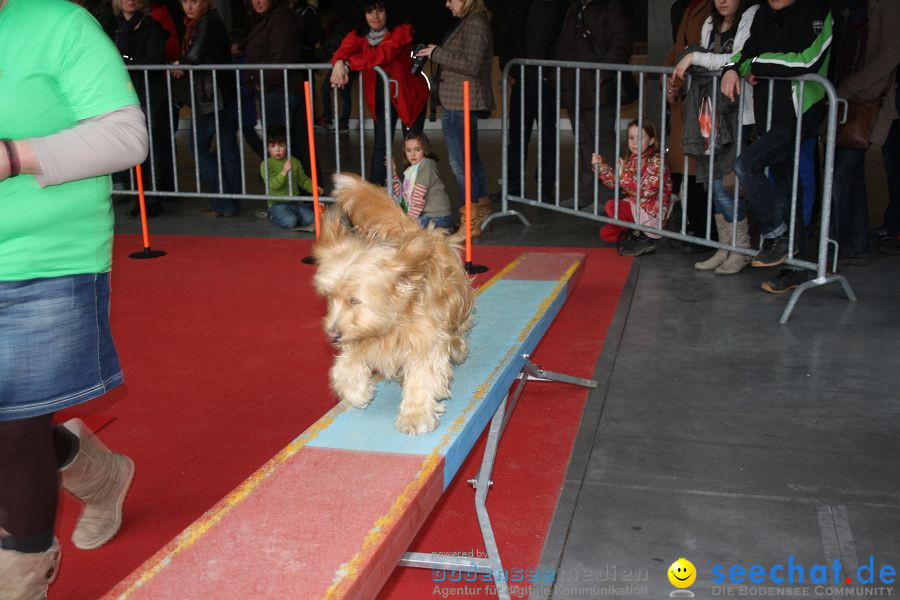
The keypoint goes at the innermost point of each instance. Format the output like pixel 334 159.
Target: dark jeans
pixel 208 159
pixel 518 119
pixel 454 128
pixel 345 100
pixel 377 167
pixel 850 212
pixel 891 154
pixel 606 147
pixel 770 201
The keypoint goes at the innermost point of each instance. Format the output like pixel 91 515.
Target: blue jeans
pixel 56 350
pixel 770 204
pixel 890 151
pixel 445 222
pixel 850 213
pixel 453 125
pixel 208 158
pixel 291 214
pixel 724 202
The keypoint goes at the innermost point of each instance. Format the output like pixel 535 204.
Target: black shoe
pixel 635 243
pixel 890 246
pixel 689 247
pixel 785 281
pixel 153 209
pixel 774 252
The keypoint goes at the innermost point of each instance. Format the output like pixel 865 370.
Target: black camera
pixel 418 62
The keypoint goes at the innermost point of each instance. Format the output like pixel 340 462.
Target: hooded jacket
pixel 792 41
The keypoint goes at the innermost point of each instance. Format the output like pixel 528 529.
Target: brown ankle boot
pixel 25 576
pixel 100 479
pixel 476 222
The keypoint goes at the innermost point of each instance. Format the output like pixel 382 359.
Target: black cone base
pixel 147 253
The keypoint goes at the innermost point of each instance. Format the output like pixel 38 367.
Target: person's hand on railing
pixel 674 89
pixel 177 73
pixel 596 160
pixel 286 168
pixel 340 74
pixel 681 68
pixel 731 84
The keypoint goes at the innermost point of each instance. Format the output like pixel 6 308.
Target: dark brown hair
pixel 718 19
pixel 426 147
pixel 649 128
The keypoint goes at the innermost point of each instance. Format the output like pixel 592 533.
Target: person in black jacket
pixel 141 41
pixel 539 22
pixel 206 42
pixel 788 38
pixel 276 39
pixel 596 31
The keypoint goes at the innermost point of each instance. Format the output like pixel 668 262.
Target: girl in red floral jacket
pixel 646 210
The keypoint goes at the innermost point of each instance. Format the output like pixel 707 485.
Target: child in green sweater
pixel 283 172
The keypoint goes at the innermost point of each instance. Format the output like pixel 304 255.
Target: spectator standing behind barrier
pixel 336 28
pixel 421 189
pixel 275 39
pixel 694 15
pixel 888 234
pixel 380 39
pixel 596 31
pixel 866 50
pixel 141 40
pixel 465 55
pixel 69 117
pixel 206 43
pixel 724 33
pixel 274 171
pixel 531 31
pixel 638 207
pixel 788 38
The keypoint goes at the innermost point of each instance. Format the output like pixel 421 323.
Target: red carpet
pixel 225 363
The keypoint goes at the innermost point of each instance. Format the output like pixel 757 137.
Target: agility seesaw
pixel 333 513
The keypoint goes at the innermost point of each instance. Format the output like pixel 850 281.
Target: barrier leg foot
pixel 795 295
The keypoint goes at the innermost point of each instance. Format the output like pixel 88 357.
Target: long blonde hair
pixel 473 6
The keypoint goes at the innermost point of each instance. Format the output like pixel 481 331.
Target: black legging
pixel 31 452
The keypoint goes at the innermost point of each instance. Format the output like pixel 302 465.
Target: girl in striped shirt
pixel 421 188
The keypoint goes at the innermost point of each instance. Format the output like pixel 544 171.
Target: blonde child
pixel 288 214
pixel 421 188
pixel 646 210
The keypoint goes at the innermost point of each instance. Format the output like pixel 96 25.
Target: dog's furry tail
pixel 369 207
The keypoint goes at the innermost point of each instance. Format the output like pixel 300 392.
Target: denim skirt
pixel 56 348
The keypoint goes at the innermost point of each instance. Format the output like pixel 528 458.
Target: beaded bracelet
pixel 14 165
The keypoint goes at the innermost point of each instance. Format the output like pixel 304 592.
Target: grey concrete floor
pixel 716 434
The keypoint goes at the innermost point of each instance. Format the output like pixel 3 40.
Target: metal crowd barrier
pixel 166 132
pixel 556 70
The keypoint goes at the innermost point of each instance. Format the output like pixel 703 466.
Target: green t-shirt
pixel 57 68
pixel 278 183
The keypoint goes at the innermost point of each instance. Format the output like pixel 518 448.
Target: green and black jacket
pixel 793 41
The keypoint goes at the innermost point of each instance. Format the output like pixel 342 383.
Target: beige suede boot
pixel 26 576
pixel 723 227
pixel 476 223
pixel 737 261
pixel 100 479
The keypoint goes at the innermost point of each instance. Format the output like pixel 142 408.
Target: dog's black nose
pixel 334 335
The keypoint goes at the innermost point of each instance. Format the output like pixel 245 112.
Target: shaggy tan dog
pixel 399 302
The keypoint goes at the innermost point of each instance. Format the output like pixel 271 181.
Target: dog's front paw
pixel 417 423
pixel 358 400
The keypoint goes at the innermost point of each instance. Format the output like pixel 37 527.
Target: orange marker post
pixel 467 144
pixel 146 252
pixel 310 133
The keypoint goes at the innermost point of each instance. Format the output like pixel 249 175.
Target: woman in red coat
pixel 380 40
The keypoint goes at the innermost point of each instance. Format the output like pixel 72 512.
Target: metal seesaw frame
pixel 482 484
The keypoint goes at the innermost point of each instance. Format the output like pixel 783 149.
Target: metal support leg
pixel 795 296
pixel 491 564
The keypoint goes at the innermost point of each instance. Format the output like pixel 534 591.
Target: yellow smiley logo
pixel 682 573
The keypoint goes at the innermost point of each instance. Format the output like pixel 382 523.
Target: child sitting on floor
pixel 422 189
pixel 292 214
pixel 645 211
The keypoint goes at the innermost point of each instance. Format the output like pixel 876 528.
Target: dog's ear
pixel 412 260
pixel 371 210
